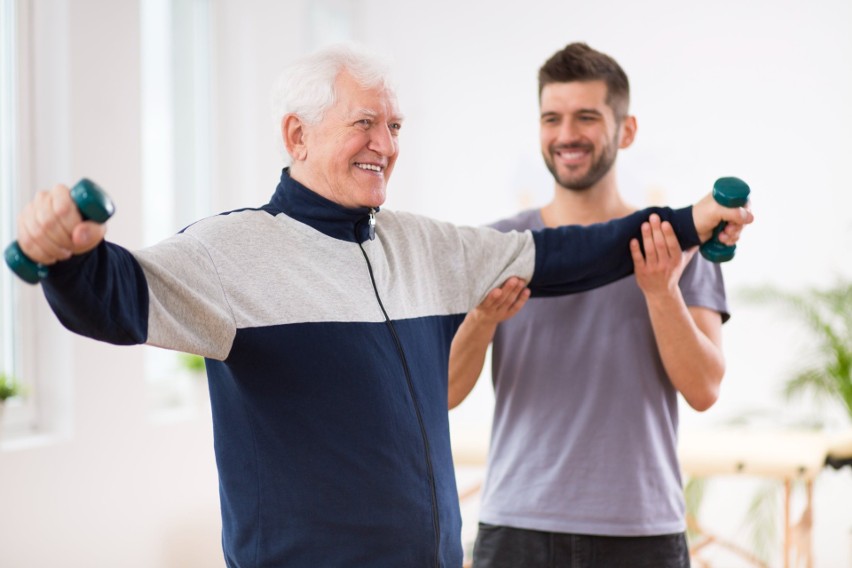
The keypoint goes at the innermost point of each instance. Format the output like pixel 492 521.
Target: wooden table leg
pixel 809 537
pixel 787 486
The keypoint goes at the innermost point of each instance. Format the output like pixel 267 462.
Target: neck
pixel 302 175
pixel 597 204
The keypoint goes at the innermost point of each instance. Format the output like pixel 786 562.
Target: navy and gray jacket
pixel 327 357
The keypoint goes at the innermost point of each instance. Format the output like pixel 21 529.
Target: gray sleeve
pixel 494 257
pixel 188 310
pixel 702 285
pixel 462 264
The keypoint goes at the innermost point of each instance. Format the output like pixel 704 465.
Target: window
pixel 10 318
pixel 176 160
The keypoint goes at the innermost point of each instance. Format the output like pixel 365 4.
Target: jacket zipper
pixel 409 381
pixel 372 235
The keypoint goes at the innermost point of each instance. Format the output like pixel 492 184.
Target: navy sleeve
pixel 575 258
pixel 102 294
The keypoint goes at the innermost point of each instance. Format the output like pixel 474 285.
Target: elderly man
pixel 326 326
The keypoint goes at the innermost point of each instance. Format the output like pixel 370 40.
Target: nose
pixel 567 132
pixel 383 141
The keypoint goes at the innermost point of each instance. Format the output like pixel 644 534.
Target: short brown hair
pixel 579 62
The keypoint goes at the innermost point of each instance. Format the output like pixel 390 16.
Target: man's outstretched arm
pixel 572 258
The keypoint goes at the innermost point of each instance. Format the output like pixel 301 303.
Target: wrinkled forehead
pixel 352 97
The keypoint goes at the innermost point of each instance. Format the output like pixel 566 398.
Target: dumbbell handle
pixel 94 205
pixel 728 192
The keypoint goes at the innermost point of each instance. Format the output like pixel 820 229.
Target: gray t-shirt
pixel 584 437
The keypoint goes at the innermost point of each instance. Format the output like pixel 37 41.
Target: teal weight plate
pixel 731 192
pixel 27 269
pixel 94 204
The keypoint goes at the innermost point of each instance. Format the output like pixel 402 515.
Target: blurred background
pixel 106 454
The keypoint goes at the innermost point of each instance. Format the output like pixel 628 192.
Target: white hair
pixel 306 87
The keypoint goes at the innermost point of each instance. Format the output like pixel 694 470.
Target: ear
pixel 293 133
pixel 628 132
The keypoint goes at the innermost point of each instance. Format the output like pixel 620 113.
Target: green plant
pixel 760 520
pixel 694 492
pixel 9 387
pixel 191 363
pixel 827 373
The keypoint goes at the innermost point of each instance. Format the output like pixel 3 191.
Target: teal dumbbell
pixel 728 192
pixel 94 205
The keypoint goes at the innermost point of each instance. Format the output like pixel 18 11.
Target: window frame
pixel 23 414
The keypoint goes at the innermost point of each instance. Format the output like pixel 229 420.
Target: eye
pixel 550 119
pixel 364 122
pixel 395 127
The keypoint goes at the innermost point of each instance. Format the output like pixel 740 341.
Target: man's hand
pixel 501 303
pixel 707 214
pixel 467 352
pixel 658 271
pixel 51 229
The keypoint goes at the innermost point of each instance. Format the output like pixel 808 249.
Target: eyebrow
pixel 578 111
pixel 373 114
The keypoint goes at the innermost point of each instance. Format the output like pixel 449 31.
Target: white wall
pixel 755 89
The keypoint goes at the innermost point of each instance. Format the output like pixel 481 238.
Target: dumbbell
pixel 94 205
pixel 728 192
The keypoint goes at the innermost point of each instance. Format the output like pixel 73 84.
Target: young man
pixel 326 326
pixel 582 468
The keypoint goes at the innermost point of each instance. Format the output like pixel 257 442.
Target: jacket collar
pixel 297 201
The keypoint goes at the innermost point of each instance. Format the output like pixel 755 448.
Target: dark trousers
pixel 507 547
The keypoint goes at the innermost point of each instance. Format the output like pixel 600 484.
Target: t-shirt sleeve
pixel 702 285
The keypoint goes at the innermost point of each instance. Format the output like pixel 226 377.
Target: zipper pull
pixel 372 224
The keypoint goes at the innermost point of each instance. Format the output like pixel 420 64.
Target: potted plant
pixel 824 371
pixel 192 363
pixel 9 388
pixel 195 367
pixel 827 373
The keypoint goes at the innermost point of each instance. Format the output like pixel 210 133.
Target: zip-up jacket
pixel 327 333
